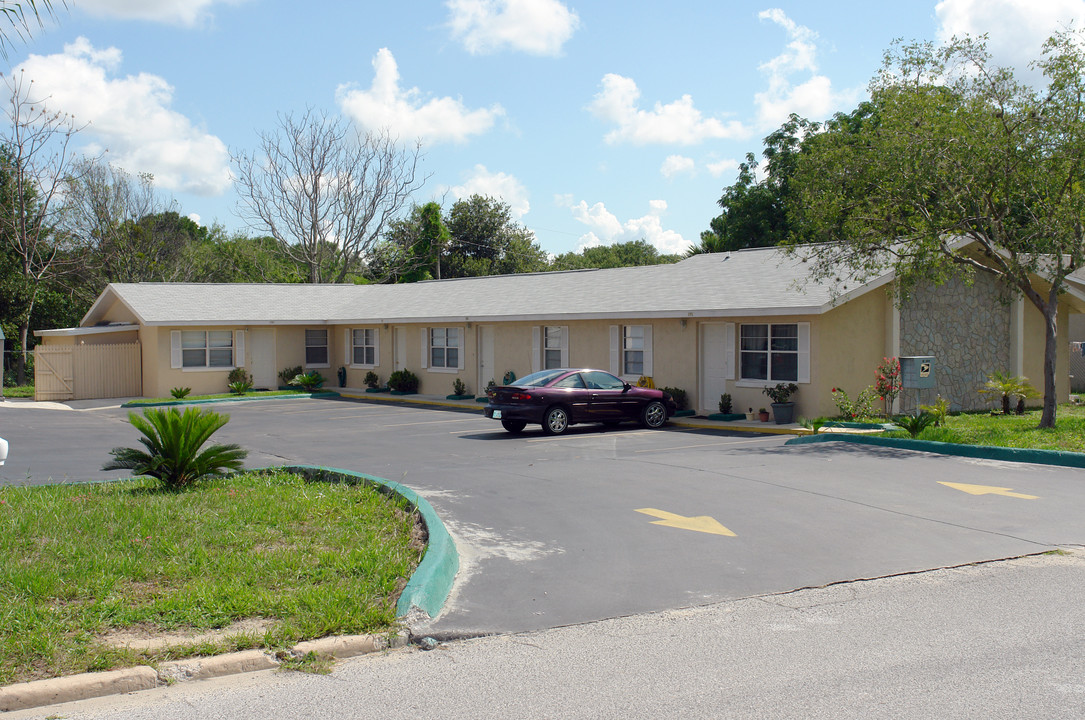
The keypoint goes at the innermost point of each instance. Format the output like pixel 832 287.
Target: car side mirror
pixel 626 386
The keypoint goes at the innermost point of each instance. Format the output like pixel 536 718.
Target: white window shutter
pixel 175 349
pixel 804 352
pixel 565 346
pixel 239 348
pixel 729 351
pixel 348 346
pixel 460 346
pixel 615 350
pixel 376 347
pixel 425 348
pixel 648 370
pixel 536 349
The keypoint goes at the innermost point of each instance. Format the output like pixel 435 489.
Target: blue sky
pixel 598 122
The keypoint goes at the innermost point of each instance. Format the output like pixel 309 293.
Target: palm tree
pixel 173 441
pixel 20 16
pixel 1007 387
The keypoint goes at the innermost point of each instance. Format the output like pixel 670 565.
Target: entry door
pixel 262 356
pixel 400 360
pixel 485 357
pixel 717 363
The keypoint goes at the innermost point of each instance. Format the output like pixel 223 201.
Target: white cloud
pixel 675 164
pixel 130 117
pixel 676 123
pixel 606 229
pixel 1016 29
pixel 717 169
pixel 538 27
pixel 178 12
pixel 499 185
pixel 814 97
pixel 405 113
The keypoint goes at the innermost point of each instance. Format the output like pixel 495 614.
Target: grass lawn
pixel 268 560
pixel 1016 431
pixel 219 396
pixel 19 391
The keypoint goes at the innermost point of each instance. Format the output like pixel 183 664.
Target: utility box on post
pixel 917 372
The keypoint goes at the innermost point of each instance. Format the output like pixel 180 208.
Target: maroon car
pixel 557 399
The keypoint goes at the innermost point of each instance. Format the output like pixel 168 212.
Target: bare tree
pixel 325 191
pixel 35 158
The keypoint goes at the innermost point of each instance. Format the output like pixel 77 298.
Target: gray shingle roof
pixel 757 281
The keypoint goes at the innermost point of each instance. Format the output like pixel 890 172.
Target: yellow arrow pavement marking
pixel 987 490
pixel 700 523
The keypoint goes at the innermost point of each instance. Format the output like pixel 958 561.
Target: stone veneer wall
pixel 967 330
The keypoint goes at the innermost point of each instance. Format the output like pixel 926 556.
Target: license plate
pixel 497 414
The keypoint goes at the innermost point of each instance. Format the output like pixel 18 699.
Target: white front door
pixel 714 365
pixel 262 355
pixel 485 357
pixel 399 361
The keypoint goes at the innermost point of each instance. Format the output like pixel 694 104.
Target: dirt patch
pixel 152 638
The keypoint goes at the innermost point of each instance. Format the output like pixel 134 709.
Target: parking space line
pixel 586 436
pixel 715 444
pixel 432 422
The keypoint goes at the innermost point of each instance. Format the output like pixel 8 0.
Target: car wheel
pixel 653 415
pixel 556 421
pixel 514 426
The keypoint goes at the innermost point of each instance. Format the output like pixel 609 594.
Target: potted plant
pixel 783 410
pixel 750 415
pixel 763 415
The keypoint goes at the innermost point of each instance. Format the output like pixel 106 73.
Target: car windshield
pixel 538 379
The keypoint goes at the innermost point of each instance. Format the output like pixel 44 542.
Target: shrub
pixel 309 381
pixel 679 395
pixel 915 424
pixel 861 407
pixel 290 373
pixel 940 410
pixel 781 392
pixel 173 442
pixel 887 382
pixel 240 387
pixel 180 393
pixel 403 381
pixel 458 387
pixel 725 403
pixel 1007 387
pixel 239 375
pixel 372 380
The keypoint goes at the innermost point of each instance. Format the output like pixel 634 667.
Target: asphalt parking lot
pixel 554 531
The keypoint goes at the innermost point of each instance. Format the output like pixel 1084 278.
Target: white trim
pixel 93 330
pixel 176 356
pixel 564 345
pixel 803 371
pixel 239 348
pixel 211 369
pixel 647 366
pixel 425 348
pixel 729 351
pixel 538 358
pixel 348 347
pixel 616 350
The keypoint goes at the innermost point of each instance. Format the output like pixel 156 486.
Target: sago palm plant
pixel 173 442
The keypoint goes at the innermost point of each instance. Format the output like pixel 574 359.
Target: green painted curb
pixel 684 413
pixel 986 452
pixel 459 397
pixel 167 403
pixel 431 581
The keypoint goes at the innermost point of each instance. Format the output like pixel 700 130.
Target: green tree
pixel 627 254
pixel 484 239
pixel 758 212
pixel 966 170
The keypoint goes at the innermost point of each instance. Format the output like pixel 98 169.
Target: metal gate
pixel 83 372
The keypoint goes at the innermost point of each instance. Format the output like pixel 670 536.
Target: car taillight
pixel 521 396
